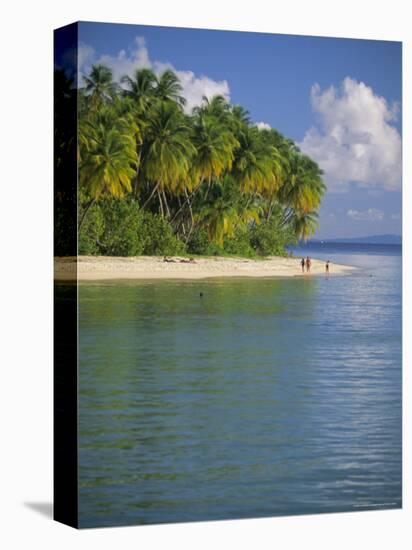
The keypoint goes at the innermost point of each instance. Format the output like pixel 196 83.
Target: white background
pixel 26 271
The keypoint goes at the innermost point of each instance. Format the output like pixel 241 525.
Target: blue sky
pixel 339 99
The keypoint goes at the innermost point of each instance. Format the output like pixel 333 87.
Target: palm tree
pixel 221 219
pixel 214 147
pixel 217 107
pixel 108 162
pixel 145 91
pixel 141 88
pixel 224 217
pixel 257 166
pixel 169 88
pixel 303 224
pixel 100 87
pixel 117 115
pixel 166 151
pixel 228 212
pixel 303 188
pixel 240 118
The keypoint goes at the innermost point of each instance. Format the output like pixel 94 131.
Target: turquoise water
pixel 260 398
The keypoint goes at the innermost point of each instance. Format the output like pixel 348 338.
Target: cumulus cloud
pixel 195 88
pixel 85 56
pixel 355 140
pixel 137 57
pixel 372 215
pixel 263 126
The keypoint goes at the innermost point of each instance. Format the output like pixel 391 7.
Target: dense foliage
pixel 157 180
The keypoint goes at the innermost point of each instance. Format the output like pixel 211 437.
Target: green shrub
pixel 112 228
pixel 270 239
pixel 240 245
pixel 159 238
pixel 119 228
pixel 266 239
pixel 91 232
pixel 199 244
pixel 123 228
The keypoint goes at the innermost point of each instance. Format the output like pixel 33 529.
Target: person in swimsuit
pixel 302 263
pixel 327 267
pixel 308 262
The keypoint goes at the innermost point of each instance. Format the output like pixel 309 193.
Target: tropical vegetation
pixel 156 179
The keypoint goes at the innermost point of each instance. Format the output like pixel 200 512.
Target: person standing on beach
pixel 308 264
pixel 327 267
pixel 302 263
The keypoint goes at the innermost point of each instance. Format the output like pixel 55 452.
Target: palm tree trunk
pixel 155 188
pixel 286 216
pixel 190 205
pixel 188 198
pixel 190 232
pixel 165 203
pixel 192 219
pixel 184 231
pixel 136 183
pixel 181 206
pixel 159 196
pixel 209 185
pixel 86 209
pixel 251 199
pixel 180 229
pixel 270 210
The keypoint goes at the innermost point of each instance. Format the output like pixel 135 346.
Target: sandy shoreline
pixel 96 268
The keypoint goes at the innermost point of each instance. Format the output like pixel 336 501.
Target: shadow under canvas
pixel 45 509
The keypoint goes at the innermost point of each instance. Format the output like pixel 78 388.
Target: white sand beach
pixel 94 268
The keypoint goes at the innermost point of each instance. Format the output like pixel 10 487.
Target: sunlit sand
pixel 94 268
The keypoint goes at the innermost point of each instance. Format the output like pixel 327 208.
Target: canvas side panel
pixel 65 292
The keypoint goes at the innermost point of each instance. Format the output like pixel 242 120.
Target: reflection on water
pixel 262 397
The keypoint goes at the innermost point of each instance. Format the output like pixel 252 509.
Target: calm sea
pixel 260 398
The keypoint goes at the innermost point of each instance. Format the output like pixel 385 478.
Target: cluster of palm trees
pixel 212 168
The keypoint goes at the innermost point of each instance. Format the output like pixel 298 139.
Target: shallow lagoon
pixel 263 397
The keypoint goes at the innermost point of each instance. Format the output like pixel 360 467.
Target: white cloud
pixel 126 62
pixel 85 56
pixel 355 140
pixel 195 88
pixel 263 126
pixel 372 215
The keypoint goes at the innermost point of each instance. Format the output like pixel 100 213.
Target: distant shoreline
pixel 380 240
pixel 99 268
